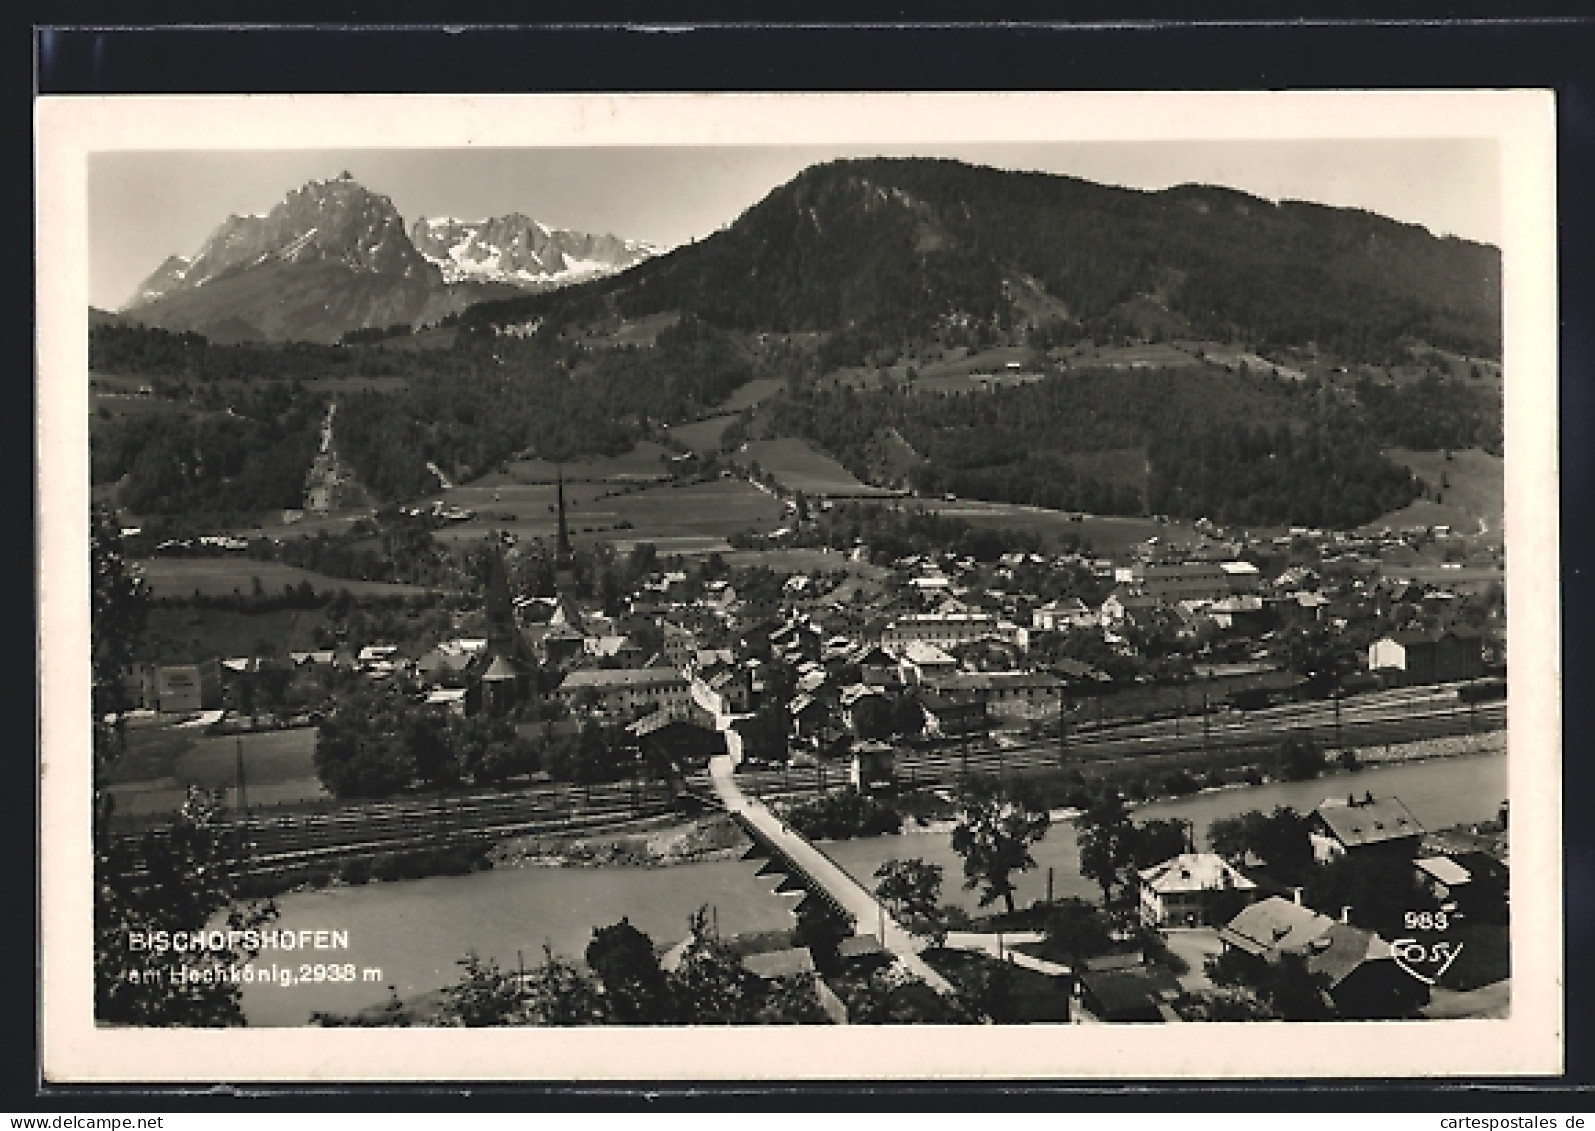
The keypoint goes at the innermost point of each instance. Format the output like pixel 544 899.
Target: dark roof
pixel 859 946
pixel 1130 993
pixel 948 700
pixel 780 963
pixel 1274 924
pixel 1342 949
pixel 500 669
pixel 1371 821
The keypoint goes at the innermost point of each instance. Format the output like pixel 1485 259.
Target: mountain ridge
pixel 880 250
pixel 333 256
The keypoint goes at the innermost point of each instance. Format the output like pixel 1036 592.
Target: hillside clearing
pixel 237 574
pixel 1472 490
pixel 799 467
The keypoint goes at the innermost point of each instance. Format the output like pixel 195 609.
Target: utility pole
pixel 243 793
pixel 1205 722
pixel 1063 735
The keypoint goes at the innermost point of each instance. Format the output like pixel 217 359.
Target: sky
pixel 144 206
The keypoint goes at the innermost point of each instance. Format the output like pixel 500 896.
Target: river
pixel 415 931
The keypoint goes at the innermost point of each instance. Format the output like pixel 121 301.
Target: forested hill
pixel 884 250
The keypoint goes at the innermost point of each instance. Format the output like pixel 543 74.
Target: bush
pixel 1300 759
pixel 842 815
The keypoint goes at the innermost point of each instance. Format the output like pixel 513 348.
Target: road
pixel 869 917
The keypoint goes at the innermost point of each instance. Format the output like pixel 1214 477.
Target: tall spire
pixel 563 547
pixel 500 606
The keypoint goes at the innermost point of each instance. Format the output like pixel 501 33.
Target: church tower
pixel 502 635
pixel 563 546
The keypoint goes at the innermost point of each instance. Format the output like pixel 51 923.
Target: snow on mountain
pixel 518 250
pixel 336 221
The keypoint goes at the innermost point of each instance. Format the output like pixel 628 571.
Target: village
pixel 1161 671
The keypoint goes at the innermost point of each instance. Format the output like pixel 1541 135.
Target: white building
pixel 1180 891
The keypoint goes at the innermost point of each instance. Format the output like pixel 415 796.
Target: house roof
pixel 1444 869
pixel 500 669
pixel 780 963
pixel 1122 993
pixel 1343 948
pixel 1370 821
pixel 1194 871
pixel 859 946
pixel 1274 924
pixel 620 677
pixel 920 653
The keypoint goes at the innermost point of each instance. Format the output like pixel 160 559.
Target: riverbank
pixel 671 841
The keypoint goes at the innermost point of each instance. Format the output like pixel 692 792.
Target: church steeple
pixel 562 548
pixel 500 607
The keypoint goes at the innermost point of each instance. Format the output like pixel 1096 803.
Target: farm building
pixel 1408 658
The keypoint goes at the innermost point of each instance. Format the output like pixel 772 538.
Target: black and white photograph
pixel 646 575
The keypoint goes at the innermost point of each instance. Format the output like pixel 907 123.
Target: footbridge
pixel 820 875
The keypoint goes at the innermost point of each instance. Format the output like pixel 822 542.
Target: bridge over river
pixel 820 874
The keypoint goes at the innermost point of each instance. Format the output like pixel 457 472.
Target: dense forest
pixel 1235 448
pixel 236 455
pixel 508 395
pixel 242 433
pixel 881 251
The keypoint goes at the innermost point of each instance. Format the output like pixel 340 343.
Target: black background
pixel 1105 47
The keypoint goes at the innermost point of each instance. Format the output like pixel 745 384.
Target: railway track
pixel 277 840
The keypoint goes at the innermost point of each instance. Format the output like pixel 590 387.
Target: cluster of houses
pixel 967 644
pixel 1361 975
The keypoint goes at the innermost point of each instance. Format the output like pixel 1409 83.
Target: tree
pixel 161 885
pixel 1155 841
pixel 792 1000
pixel 994 833
pixel 484 996
pixel 821 928
pixel 911 889
pixel 1300 759
pixel 1106 841
pixel 1377 890
pixel 558 993
pixel 176 882
pixel 118 611
pixel 908 717
pixel 1278 839
pixel 1076 930
pixel 711 984
pixel 635 988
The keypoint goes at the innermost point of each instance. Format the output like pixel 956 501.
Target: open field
pixel 306 525
pixel 806 561
pixel 629 331
pixel 596 513
pixel 646 460
pixel 703 436
pixel 1473 494
pixel 358 384
pixel 1106 534
pixel 800 467
pixel 162 762
pixel 235 573
pixel 755 391
pixel 182 633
